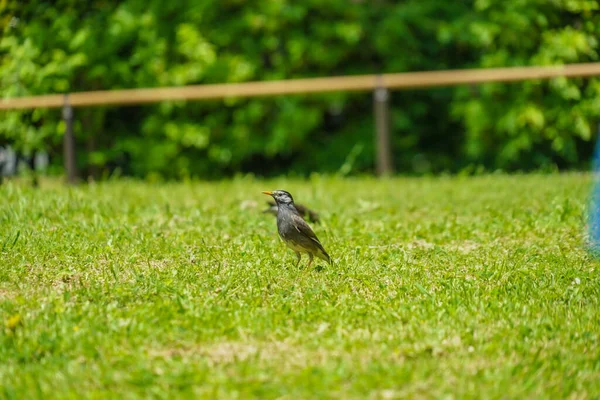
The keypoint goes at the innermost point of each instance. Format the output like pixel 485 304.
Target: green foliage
pixel 440 288
pixel 529 124
pixel 57 47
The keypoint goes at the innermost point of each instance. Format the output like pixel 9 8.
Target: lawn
pixel 474 287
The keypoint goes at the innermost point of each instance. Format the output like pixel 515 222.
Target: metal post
pixel 382 131
pixel 69 143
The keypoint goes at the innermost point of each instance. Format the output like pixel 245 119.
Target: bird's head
pixel 281 196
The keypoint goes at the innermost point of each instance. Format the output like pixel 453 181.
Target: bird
pixel 294 231
pixel 304 211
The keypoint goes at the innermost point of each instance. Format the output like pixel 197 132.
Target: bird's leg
pixel 299 256
pixel 310 260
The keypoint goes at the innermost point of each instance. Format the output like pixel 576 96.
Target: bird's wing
pixel 302 227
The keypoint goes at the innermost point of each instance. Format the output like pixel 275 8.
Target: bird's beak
pixel 269 193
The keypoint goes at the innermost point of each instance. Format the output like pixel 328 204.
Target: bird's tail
pixel 322 254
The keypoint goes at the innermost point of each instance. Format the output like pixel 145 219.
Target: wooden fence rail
pixel 380 84
pixel 405 80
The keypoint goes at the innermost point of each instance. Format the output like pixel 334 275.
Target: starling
pixel 294 231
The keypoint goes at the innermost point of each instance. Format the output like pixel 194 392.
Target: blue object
pixel 594 210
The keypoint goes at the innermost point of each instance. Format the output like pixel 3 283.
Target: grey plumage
pixel 294 231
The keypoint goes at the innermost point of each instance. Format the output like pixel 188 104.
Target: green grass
pixel 461 287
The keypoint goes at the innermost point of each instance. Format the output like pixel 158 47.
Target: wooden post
pixel 382 131
pixel 69 143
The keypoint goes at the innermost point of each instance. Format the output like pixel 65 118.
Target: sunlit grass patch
pixel 473 287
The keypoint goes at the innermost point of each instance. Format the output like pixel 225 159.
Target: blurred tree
pixel 67 46
pixel 535 123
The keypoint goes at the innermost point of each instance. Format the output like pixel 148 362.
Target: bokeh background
pixel 69 45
